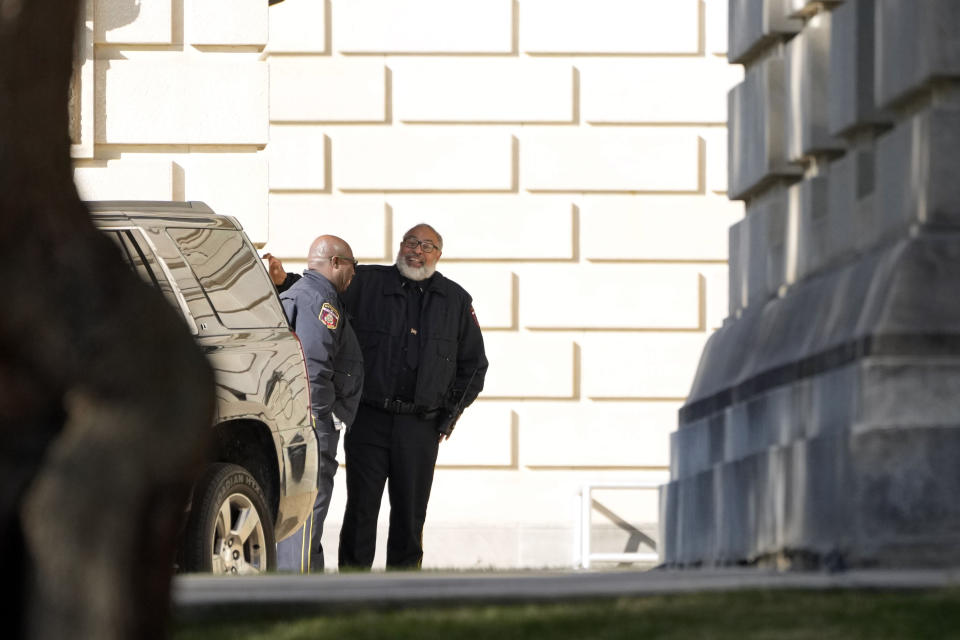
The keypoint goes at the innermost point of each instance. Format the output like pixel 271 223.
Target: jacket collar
pixel 320 281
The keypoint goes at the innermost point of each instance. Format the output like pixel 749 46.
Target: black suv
pixel 261 480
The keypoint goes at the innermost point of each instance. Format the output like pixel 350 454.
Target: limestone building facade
pixel 572 153
pixel 821 428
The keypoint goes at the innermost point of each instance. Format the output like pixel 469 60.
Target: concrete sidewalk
pixel 199 597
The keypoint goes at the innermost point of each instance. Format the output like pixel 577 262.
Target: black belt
pixel 400 407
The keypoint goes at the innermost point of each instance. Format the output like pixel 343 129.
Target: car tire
pixel 229 529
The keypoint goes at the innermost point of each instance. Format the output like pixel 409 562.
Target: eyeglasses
pixel 413 243
pixel 352 261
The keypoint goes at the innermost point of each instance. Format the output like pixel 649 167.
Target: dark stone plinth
pixel 838 410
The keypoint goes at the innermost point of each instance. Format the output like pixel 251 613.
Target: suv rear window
pixel 140 258
pixel 230 273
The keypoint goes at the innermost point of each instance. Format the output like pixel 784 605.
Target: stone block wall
pixel 175 105
pixel 822 426
pixel 572 153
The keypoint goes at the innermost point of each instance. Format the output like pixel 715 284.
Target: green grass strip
pixel 753 615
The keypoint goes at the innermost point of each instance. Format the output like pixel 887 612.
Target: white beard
pixel 415 273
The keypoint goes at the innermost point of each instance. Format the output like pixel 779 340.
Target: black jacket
pixel 334 361
pixel 451 345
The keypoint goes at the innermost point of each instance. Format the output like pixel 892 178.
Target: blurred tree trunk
pixel 98 444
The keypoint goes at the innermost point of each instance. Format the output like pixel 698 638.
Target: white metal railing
pixel 586 512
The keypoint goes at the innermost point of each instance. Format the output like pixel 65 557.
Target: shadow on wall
pixel 105 15
pixel 113 14
pixel 108 16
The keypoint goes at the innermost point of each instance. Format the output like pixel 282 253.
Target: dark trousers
pixel 381 447
pixel 302 552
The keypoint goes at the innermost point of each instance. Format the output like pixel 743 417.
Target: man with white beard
pixel 424 362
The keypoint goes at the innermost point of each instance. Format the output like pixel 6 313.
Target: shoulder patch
pixel 474 314
pixel 329 316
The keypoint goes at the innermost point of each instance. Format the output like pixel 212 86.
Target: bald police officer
pixel 334 365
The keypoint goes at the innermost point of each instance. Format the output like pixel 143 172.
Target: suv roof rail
pixel 147 205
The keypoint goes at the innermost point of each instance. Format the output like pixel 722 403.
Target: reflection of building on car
pixel 260 483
